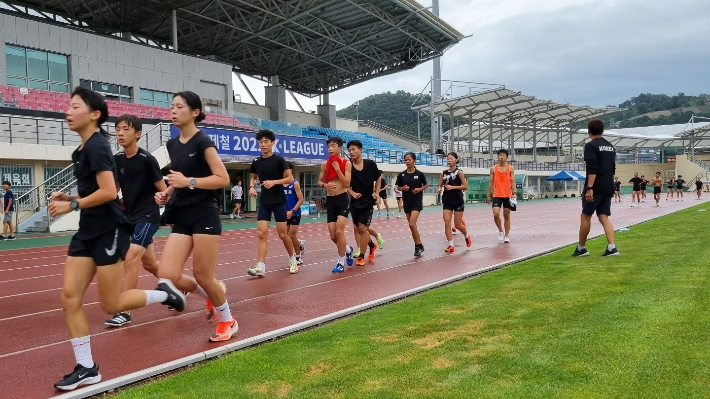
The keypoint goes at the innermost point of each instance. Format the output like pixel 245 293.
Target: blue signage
pixel 234 145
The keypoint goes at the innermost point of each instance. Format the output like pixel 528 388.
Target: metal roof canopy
pixel 314 46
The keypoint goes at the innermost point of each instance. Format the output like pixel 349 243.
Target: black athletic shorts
pixel 337 206
pixel 601 205
pixel 294 221
pixel 454 208
pixel 412 206
pixel 265 211
pixel 107 249
pixel 361 216
pixel 383 195
pixel 656 190
pixel 499 202
pixel 196 220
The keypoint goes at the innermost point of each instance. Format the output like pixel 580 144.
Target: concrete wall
pixel 626 171
pixel 116 61
pixel 304 118
pixel 687 169
pixel 347 124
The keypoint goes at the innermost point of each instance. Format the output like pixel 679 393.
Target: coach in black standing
pixel 600 157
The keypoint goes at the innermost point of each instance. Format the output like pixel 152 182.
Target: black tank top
pixel 452 197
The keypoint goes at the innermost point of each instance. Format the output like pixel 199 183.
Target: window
pixel 111 92
pixel 156 98
pixel 37 69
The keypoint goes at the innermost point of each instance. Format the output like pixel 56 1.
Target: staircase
pixel 31 207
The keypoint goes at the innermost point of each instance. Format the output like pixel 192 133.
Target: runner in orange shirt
pixel 502 185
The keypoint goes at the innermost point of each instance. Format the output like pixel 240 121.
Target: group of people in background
pixel 639 183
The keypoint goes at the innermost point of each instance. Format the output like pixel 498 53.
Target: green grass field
pixel 634 326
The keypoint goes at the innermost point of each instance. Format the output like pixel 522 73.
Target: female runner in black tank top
pixel 453 184
pixel 196 171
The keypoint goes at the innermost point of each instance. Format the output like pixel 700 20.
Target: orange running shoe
pixel 360 261
pixel 449 249
pixel 371 256
pixel 225 330
pixel 212 315
pixel 468 241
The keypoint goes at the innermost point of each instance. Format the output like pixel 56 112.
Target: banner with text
pixel 239 146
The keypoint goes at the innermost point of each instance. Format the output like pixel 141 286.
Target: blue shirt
pixel 291 198
pixel 9 195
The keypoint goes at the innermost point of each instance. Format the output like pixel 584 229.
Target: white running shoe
pixel 231 216
pixel 257 270
pixel 292 266
pixel 303 246
pixel 507 239
pixel 501 236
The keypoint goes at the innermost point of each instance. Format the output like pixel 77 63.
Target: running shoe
pixel 501 236
pixel 449 249
pixel 399 216
pixel 210 311
pixel 118 320
pixel 175 297
pixel 257 270
pixel 417 251
pixel 360 261
pixel 582 252
pixel 468 241
pixel 371 256
pixel 184 293
pixel 507 240
pixel 303 246
pixel 292 266
pixel 2 238
pixel 613 252
pixel 453 229
pixel 388 215
pixel 379 214
pixel 80 376
pixel 380 241
pixel 225 330
pixel 299 259
pixel 357 254
pixel 231 216
pixel 338 268
pixel 349 255
pixel 10 238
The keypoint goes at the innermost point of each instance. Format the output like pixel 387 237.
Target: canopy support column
pixel 534 141
pixel 173 29
pixel 470 135
pixel 490 137
pixel 559 148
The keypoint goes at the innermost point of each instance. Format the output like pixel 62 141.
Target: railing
pixel 35 200
pixel 392 132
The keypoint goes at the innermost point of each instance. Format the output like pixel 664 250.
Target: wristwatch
pixel 74 205
pixel 193 183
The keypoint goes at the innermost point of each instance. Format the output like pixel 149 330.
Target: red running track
pixel 35 351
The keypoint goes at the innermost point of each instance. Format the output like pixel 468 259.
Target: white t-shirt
pixel 397 193
pixel 237 191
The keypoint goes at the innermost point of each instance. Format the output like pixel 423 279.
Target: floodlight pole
pixel 435 91
pixel 173 30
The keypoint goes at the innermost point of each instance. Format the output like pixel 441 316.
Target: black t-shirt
pixel 95 156
pixel 271 168
pixel 698 185
pixel 643 184
pixel 189 159
pixel 413 180
pixel 363 182
pixel 637 183
pixel 679 183
pixel 600 157
pixel 617 185
pixel 452 197
pixel 137 176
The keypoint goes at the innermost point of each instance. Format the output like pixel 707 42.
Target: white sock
pixel 201 292
pixel 224 313
pixel 610 246
pixel 155 296
pixel 292 257
pixel 262 265
pixel 581 247
pixel 451 243
pixel 341 260
pixel 82 351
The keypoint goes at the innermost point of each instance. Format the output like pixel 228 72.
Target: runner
pixel 636 190
pixel 679 188
pixel 196 171
pixel 273 172
pixel 138 179
pixel 600 158
pixel 294 200
pixel 237 193
pixel 8 207
pixel 707 184
pixel 671 185
pixel 617 190
pixel 383 197
pixel 502 186
pixel 364 186
pixel 452 185
pixel 335 177
pixel 699 187
pixel 412 183
pixel 398 196
pixel 100 245
pixel 643 185
pixel 657 187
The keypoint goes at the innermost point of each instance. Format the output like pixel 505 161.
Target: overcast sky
pixel 586 52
